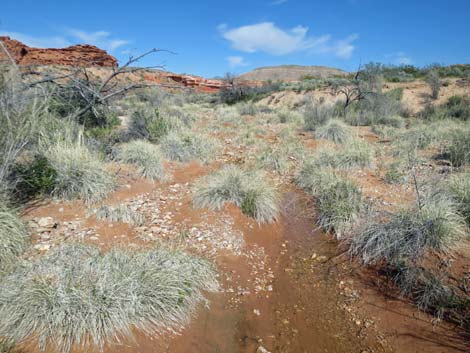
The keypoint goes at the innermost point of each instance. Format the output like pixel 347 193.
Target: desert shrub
pixel 152 125
pixel 456 107
pixel 185 146
pixel 247 190
pixel 458 147
pixel 434 83
pixel 334 130
pixel 395 173
pixel 280 158
pixel 76 297
pixel 227 114
pixel 406 235
pixel 316 115
pixel 459 190
pixel 338 200
pixel 384 131
pixel 377 108
pixel 245 108
pixel 122 213
pixel 146 156
pixel 289 116
pixel 79 173
pixel 13 237
pixel 33 176
pixel 352 155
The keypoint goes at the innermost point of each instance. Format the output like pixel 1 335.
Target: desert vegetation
pixel 388 184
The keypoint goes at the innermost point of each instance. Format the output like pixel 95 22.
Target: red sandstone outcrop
pixel 77 55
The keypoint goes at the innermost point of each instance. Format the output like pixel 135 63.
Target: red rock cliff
pixel 76 55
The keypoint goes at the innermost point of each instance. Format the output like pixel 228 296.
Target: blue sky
pixel 215 37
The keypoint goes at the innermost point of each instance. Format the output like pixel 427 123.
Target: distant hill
pixel 290 73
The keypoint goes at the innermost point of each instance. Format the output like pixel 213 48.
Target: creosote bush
pixel 79 173
pixel 74 296
pixel 248 190
pixel 146 156
pixel 13 237
pixel 185 146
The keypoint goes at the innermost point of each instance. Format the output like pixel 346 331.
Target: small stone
pixel 256 312
pixel 46 222
pixel 42 247
pixel 261 349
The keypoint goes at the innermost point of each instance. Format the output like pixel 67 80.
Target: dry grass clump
pixel 459 190
pixel 458 147
pixel 316 115
pixel 339 201
pixel 280 158
pixel 355 154
pixel 406 235
pixel 248 190
pixel 185 146
pixel 79 173
pixel 77 297
pixel 122 213
pixel 146 156
pixel 13 237
pixel 334 130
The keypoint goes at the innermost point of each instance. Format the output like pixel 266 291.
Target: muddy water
pixel 300 311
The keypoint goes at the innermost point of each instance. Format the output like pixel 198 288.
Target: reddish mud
pixel 287 290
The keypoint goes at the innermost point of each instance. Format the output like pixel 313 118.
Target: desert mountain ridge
pixel 290 73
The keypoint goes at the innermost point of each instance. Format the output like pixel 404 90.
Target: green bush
pixel 152 125
pixel 247 190
pixel 316 115
pixel 146 156
pixel 457 107
pixel 76 297
pixel 33 177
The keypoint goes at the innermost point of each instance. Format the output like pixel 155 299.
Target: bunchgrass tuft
pixel 185 146
pixel 406 235
pixel 13 237
pixel 145 156
pixel 339 201
pixel 248 190
pixel 334 130
pixel 355 154
pixel 79 173
pixel 122 213
pixel 458 147
pixel 459 190
pixel 77 297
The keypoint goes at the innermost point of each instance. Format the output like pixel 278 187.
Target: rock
pixel 256 312
pixel 42 247
pixel 46 222
pixel 261 349
pixel 83 55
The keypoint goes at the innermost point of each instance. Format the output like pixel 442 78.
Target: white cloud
pixel 38 42
pixel 236 61
pixel 399 58
pixel 267 37
pixel 101 39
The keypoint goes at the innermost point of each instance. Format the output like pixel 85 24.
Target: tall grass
pixel 144 155
pixel 338 200
pixel 79 173
pixel 121 213
pixel 77 297
pixel 355 154
pixel 458 148
pixel 334 130
pixel 459 190
pixel 248 190
pixel 185 146
pixel 13 237
pixel 406 235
